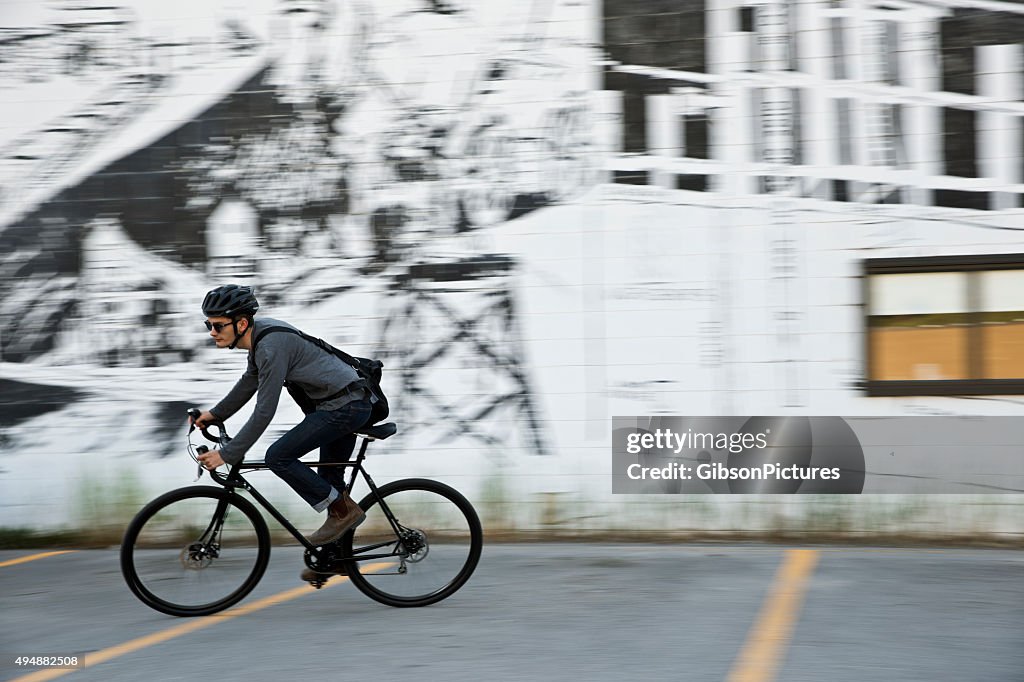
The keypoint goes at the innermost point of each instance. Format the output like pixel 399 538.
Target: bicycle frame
pixel 234 480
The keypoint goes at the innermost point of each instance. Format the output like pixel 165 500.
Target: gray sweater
pixel 280 357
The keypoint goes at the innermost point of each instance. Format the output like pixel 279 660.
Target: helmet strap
pixel 234 327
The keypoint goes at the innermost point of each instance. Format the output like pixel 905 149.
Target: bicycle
pixel 198 550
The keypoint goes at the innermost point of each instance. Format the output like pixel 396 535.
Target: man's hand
pixel 206 419
pixel 211 460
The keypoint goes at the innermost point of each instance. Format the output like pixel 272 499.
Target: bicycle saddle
pixel 378 432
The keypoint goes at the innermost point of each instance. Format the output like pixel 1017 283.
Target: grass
pixel 26 538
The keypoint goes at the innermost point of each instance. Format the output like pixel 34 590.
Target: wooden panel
pixel 1004 350
pixel 907 354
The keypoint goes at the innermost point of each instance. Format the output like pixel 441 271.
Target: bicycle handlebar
pixel 222 435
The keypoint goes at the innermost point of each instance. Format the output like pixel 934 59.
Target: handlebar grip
pixel 219 439
pixel 194 413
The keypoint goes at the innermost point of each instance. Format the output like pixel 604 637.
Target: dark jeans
pixel 333 433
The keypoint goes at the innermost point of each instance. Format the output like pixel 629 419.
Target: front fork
pixel 202 552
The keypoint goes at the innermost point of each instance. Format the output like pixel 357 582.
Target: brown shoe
pixel 343 514
pixel 310 576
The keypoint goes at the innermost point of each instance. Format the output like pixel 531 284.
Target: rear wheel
pixel 426 551
pixel 195 551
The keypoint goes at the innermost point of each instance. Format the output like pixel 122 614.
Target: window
pixel 695 136
pixel 948 325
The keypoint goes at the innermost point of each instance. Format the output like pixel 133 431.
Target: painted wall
pixel 538 217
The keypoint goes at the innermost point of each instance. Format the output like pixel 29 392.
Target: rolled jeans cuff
pixel 320 506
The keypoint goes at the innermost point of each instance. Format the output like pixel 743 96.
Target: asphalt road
pixel 552 612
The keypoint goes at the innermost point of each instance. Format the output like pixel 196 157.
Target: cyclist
pixel 341 397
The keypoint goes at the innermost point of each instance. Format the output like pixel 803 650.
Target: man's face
pixel 222 332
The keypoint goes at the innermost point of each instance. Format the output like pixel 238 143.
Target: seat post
pixel 359 462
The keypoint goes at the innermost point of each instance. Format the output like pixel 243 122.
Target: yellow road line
pixel 104 655
pixel 33 557
pixel 766 644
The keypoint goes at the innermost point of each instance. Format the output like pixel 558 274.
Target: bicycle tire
pixel 168 566
pixel 430 511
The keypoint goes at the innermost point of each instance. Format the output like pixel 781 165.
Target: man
pixel 341 397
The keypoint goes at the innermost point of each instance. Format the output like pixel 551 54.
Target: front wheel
pixel 195 551
pixel 418 547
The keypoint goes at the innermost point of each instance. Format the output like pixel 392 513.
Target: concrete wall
pixel 538 218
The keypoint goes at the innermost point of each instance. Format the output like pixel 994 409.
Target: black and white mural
pixel 310 148
pixel 538 215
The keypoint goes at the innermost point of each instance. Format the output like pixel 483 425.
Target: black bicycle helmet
pixel 230 300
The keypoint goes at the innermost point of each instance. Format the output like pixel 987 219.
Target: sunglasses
pixel 216 326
